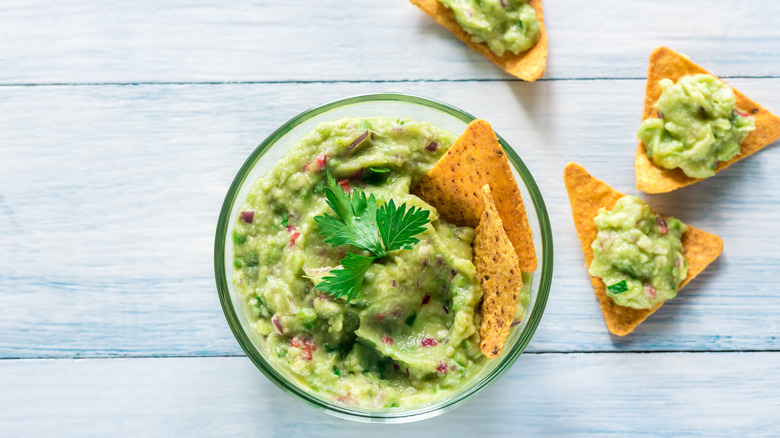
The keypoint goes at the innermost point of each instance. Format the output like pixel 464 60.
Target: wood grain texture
pixel 109 197
pixel 314 40
pixel 707 394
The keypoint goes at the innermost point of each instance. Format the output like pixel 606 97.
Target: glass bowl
pixel 374 105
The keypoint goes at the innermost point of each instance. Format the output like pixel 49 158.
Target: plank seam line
pixel 335 81
pixel 540 353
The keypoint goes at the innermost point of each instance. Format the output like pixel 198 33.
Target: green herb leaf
pixel 356 221
pixel 398 226
pixel 285 219
pixel 336 371
pixel 360 223
pixel 618 288
pixel 379 169
pixel 347 281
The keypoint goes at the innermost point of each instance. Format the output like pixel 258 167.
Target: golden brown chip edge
pixel 666 63
pixel 528 66
pixel 587 195
pixel 496 264
pixel 453 186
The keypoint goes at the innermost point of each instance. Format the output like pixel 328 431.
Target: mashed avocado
pixel 501 24
pixel 698 126
pixel 638 254
pixel 410 336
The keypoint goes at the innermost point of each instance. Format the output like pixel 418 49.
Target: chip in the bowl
pixel 496 263
pixel 453 186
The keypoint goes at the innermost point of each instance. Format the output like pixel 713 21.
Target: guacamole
pixel 501 24
pixel 638 254
pixel 698 125
pixel 410 336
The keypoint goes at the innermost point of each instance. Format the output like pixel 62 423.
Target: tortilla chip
pixel 666 63
pixel 496 263
pixel 587 195
pixel 528 65
pixel 453 187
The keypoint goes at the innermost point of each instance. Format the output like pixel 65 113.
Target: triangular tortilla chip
pixel 528 65
pixel 666 63
pixel 496 263
pixel 587 195
pixel 453 187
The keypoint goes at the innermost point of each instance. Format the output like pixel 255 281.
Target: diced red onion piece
pixel 426 299
pixel 432 146
pixel 442 367
pixel 248 216
pixel 387 340
pixel 662 225
pixel 429 342
pixel 357 141
pixel 277 324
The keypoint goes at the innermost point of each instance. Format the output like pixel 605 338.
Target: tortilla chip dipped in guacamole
pixel 453 186
pixel 504 31
pixel 496 263
pixel 694 125
pixel 591 201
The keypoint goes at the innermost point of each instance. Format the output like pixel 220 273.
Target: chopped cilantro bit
pixel 238 238
pixel 285 219
pixel 336 371
pixel 410 319
pixel 618 288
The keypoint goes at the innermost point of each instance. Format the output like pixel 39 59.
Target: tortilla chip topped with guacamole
pixel 453 186
pixel 587 196
pixel 496 264
pixel 667 64
pixel 528 65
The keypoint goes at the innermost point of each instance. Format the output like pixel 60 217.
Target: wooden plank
pixel 708 394
pixel 109 198
pixel 196 40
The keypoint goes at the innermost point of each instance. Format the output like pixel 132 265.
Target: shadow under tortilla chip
pixel 496 263
pixel 668 64
pixel 528 65
pixel 587 195
pixel 454 184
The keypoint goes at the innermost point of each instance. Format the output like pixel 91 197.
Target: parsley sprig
pixel 362 223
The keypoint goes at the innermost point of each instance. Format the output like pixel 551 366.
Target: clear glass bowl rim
pixel 508 357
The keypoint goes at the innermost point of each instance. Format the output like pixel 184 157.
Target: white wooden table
pixel 123 123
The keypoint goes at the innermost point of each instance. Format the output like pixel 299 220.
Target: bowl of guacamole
pixel 393 337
